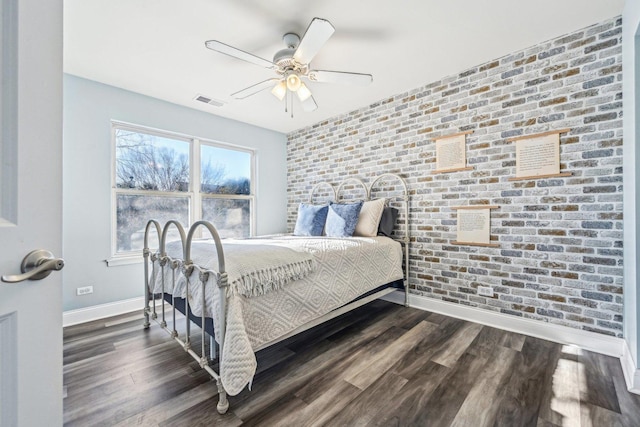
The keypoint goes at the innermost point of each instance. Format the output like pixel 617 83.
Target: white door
pixel 30 210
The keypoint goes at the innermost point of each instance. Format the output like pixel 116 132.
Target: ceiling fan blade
pixel 317 34
pixel 341 77
pixel 252 90
pixel 239 54
pixel 309 104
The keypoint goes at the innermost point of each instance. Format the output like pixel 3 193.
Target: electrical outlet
pixel 85 290
pixel 485 290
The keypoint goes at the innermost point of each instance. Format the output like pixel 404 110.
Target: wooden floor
pixel 382 364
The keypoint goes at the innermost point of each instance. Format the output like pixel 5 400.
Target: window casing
pixel 163 175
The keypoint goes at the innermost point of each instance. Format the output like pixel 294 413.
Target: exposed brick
pixel 598 82
pixel 599 261
pixel 565 275
pixel 536 271
pixel 479 90
pixel 565 74
pixel 551 297
pixel 582 42
pixel 550 313
pixel 560 239
pixel 537 81
pixel 513 103
pixel 565 208
pixel 552 232
pixel 601 189
pixel 512 73
pixel 600 118
pixel 552 52
pixel 600 46
pixel 596 296
pixel 489 66
pixel 550 248
pixel 584 302
pixel 553 101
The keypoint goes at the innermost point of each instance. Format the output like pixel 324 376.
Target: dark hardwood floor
pixel 380 365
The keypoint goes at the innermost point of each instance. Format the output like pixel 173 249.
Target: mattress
pixel 345 268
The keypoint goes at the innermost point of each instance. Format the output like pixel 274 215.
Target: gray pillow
pixel 388 221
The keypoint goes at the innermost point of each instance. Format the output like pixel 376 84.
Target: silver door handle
pixel 36 265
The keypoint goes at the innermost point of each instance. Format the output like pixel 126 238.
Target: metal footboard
pixel 161 260
pixel 187 267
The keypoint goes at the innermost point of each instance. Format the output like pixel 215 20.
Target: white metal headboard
pixel 319 185
pixel 358 181
pixel 403 197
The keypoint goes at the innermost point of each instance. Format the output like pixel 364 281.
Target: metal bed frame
pixel 187 267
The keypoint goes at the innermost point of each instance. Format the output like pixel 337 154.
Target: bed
pixel 249 294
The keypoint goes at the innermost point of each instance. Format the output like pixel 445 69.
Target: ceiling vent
pixel 210 101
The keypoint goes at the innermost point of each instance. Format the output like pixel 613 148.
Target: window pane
pixel 149 162
pixel 134 211
pixel 225 171
pixel 230 217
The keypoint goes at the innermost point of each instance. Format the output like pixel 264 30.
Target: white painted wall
pixel 89 108
pixel 631 97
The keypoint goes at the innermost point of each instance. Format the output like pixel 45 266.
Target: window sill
pixel 123 260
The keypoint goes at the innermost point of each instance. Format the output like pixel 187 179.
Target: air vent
pixel 210 101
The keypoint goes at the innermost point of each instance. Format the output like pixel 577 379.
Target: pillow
pixel 311 219
pixel 369 218
pixel 342 219
pixel 388 221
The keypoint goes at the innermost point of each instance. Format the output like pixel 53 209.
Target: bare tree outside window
pixel 154 180
pixel 147 162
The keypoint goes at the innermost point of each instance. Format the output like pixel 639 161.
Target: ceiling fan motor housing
pixel 291 40
pixel 284 57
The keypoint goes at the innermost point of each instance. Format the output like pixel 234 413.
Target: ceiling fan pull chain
pixel 286 102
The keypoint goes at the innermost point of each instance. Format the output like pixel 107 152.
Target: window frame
pixel 194 195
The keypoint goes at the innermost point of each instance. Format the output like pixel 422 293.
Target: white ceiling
pixel 156 47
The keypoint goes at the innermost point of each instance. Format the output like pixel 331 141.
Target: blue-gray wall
pixel 89 108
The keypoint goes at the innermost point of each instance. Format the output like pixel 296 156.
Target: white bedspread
pixel 345 269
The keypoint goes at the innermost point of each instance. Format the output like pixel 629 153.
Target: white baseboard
pixel 630 369
pixel 604 344
pixel 96 312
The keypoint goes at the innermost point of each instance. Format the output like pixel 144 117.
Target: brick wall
pixel 560 254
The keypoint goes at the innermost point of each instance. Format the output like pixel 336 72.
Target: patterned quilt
pixel 345 268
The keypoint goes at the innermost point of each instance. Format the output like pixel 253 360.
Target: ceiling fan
pixel 292 65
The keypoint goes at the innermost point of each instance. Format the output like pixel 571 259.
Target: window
pixel 163 176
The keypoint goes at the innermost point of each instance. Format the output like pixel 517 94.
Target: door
pixel 30 210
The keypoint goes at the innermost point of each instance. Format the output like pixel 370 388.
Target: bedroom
pixel 285 162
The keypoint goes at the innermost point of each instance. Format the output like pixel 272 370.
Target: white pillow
pixel 369 218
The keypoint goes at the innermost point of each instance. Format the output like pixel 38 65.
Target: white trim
pixel 96 312
pixel 604 344
pixel 630 370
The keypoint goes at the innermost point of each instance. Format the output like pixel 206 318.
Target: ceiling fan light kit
pixel 292 65
pixel 293 81
pixel 279 90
